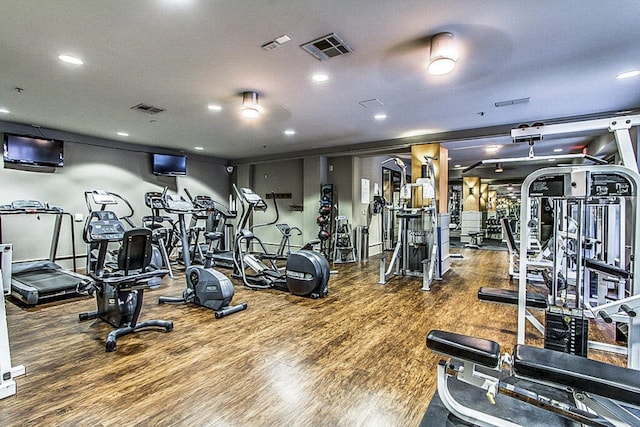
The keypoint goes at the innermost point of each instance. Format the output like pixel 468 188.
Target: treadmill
pixel 37 281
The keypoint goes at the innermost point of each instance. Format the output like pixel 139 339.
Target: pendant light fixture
pixel 250 105
pixel 442 56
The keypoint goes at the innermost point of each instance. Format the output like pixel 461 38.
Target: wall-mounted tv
pixel 31 150
pixel 169 164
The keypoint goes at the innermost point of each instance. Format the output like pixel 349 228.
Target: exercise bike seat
pixel 213 235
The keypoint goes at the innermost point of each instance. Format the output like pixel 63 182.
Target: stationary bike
pixel 119 288
pixel 208 287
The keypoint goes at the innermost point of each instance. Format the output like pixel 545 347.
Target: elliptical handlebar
pixel 275 205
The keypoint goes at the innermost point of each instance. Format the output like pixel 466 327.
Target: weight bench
pixel 600 391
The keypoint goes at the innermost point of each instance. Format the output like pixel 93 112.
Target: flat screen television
pixel 31 150
pixel 169 164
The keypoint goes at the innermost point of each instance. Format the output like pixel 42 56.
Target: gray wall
pixel 279 177
pixel 90 164
pixel 303 178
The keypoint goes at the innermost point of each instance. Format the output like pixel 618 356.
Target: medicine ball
pixel 324 210
pixel 322 220
pixel 324 235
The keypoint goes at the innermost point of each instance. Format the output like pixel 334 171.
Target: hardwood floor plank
pixel 355 358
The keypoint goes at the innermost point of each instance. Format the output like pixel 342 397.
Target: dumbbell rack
pixel 343 249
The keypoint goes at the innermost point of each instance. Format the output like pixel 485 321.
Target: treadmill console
pixel 29 206
pixel 103 226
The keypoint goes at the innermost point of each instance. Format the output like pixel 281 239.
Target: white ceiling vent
pixel 327 47
pixel 146 108
pixel 370 103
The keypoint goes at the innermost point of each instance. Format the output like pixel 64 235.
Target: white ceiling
pixel 181 55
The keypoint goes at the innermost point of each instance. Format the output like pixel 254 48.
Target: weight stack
pixel 567 333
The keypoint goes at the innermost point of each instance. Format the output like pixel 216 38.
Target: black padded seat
pixel 508 296
pixel 476 350
pixel 577 372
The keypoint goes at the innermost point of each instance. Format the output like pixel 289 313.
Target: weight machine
pixel 416 251
pixel 596 241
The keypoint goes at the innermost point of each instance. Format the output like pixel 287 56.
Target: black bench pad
pixel 477 350
pixel 508 296
pixel 591 376
pixel 603 267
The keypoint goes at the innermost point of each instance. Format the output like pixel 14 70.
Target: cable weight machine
pixel 416 252
pixel 595 242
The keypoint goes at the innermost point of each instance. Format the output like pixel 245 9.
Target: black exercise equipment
pixel 99 200
pixel 217 228
pixel 285 242
pixel 119 289
pixel 208 287
pixel 34 282
pixel 163 227
pixel 175 204
pixel 307 272
pixel 586 391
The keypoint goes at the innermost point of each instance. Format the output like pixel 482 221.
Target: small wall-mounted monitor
pixel 169 164
pixel 31 150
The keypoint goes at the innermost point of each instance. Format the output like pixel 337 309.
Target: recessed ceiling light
pixel 123 133
pixel 4 111
pixel 70 59
pixel 551 160
pixel 457 166
pixel 628 74
pixel 492 148
pixel 320 77
pixel 214 107
pixel 380 116
pixel 448 158
pixel 282 39
pixel 198 148
pixel 289 132
pixel 557 150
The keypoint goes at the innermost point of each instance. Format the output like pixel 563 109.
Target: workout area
pixel 302 213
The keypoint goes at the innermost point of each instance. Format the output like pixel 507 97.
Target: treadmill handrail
pixel 49 210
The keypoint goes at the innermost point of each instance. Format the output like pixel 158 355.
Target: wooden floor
pixel 355 358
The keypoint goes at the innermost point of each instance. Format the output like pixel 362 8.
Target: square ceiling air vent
pixel 327 47
pixel 146 108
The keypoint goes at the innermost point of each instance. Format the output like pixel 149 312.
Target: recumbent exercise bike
pixel 120 288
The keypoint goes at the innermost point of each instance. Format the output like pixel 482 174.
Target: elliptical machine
pixel 307 272
pixel 206 286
